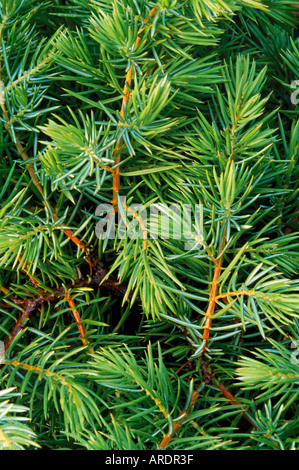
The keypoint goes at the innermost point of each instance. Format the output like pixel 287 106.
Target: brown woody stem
pixel 28 305
pixel 233 401
pixel 213 295
pixel 125 101
pixel 77 317
pixel 176 426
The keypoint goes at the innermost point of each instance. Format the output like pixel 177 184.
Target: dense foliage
pixel 129 339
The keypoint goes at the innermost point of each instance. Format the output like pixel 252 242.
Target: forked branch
pixel 99 279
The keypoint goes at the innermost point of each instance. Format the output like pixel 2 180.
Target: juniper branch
pixel 98 279
pixel 125 101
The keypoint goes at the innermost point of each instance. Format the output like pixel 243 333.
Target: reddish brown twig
pixel 176 426
pixel 213 295
pixel 233 401
pixel 29 305
pixel 77 317
pixel 188 363
pixel 125 101
pixel 208 377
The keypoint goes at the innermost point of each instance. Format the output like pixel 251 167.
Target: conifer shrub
pixel 149 225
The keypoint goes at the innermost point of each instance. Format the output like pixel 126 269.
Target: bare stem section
pixel 213 295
